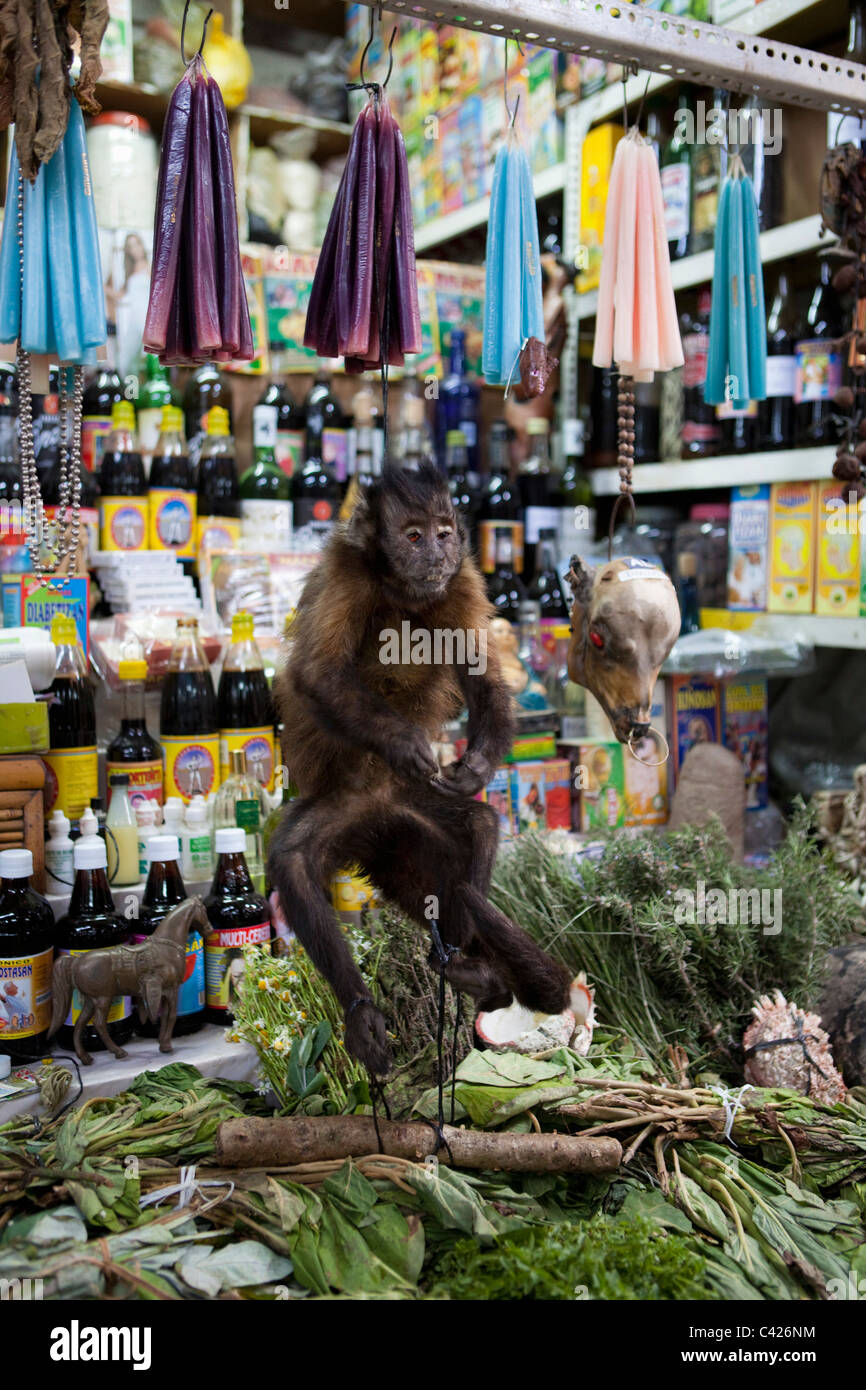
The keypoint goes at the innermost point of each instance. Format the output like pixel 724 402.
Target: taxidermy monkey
pixel 357 740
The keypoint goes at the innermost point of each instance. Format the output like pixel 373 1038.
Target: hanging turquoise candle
pixel 737 350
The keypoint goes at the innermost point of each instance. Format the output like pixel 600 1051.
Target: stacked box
pixel 557 782
pixel 792 547
pixel 746 730
pixel 695 715
pixel 749 548
pixel 497 794
pixel 602 786
pixel 529 796
pixel 837 561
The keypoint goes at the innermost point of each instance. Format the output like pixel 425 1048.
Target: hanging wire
pixel 512 115
pixel 365 82
pixel 187 61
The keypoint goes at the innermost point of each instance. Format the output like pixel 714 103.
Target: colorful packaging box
pixel 602 785
pixel 695 715
pixel 529 796
pixel 646 785
pixel 749 548
pixel 837 564
pixel 31 602
pixel 793 509
pixel 746 727
pixel 595 166
pixel 471 151
pixel 497 794
pixel 557 783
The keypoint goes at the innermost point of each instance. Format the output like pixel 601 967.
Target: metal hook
pixel 372 86
pixel 512 115
pixel 187 61
pixel 629 69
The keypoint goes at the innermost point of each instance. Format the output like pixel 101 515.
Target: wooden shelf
pixel 731 470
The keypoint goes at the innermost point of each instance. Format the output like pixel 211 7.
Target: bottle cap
pixel 172 811
pixel 163 847
pixel 135 670
pixel 90 853
pixel 172 419
pixel 239 762
pixel 230 839
pixel 196 813
pixel 119 779
pixel 16 863
pixel 63 629
pixel 58 824
pixel 536 424
pixel 123 416
pixel 242 626
pixel 455 439
pixel 145 812
pixel 87 823
pixel 218 421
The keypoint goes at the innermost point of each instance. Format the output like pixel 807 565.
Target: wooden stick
pixel 255 1143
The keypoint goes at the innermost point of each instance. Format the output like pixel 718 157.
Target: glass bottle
pixel 218 506
pixel 239 802
pixel 707 175
pixel 244 707
pixel 540 489
pixel 91 924
pixel 71 765
pixel 687 577
pixel 100 397
pixel 123 508
pixel 842 130
pixel 327 439
pixel 133 750
pixel 500 499
pixel 163 891
pixel 205 389
pixel 700 433
pixel 676 177
pixel 414 437
pixel 505 588
pixel 188 726
pixel 171 506
pixel 26 959
pixel 603 413
pixel 464 485
pixel 459 404
pixel 266 508
pixel 290 422
pixel 776 413
pixel 819 364
pixel 546 586
pixel 154 395
pixel 316 490
pixel 239 916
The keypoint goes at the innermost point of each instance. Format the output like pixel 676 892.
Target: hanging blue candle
pixel 737 349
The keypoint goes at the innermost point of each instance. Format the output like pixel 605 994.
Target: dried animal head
pixel 624 621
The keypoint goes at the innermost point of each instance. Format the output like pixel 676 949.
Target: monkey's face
pixel 424 551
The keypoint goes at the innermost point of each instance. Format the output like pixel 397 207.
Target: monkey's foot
pixel 545 987
pixel 367 1037
pixel 475 977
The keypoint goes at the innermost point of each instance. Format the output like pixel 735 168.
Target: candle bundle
pixel 512 295
pixel 636 322
pixel 737 350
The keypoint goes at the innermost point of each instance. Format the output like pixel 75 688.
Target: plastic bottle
pixel 145 816
pixel 123 500
pixel 239 802
pixel 163 891
pixel 91 924
pixel 171 503
pixel 26 959
pixel 196 844
pixel 172 815
pixel 88 824
pixel 218 507
pixel 239 917
pixel 134 751
pixel 188 717
pixel 121 834
pixel 33 646
pixel 59 872
pixel 72 763
pixel 244 707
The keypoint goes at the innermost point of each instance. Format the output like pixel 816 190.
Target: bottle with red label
pixel 316 495
pixel 123 500
pixel 26 959
pixel 239 917
pixel 71 779
pixel 134 750
pixel 701 430
pixel 164 891
pixel 244 707
pixel 99 399
pixel 188 725
pixel 91 924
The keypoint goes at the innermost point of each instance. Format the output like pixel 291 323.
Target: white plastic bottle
pixel 196 844
pixel 145 815
pixel 59 872
pixel 88 823
pixel 172 816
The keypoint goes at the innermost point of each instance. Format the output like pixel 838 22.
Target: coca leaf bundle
pixel 364 301
pixel 197 311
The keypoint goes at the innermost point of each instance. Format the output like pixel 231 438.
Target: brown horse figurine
pixel 151 972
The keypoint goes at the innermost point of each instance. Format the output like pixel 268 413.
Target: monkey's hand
pixel 412 757
pixel 366 1036
pixel 465 778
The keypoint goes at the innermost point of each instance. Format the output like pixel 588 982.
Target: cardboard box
pixel 746 729
pixel 792 547
pixel 497 794
pixel 837 562
pixel 31 602
pixel 558 793
pixel 24 727
pixel 596 164
pixel 529 796
pixel 646 784
pixel 602 785
pixel 695 715
pixel 749 548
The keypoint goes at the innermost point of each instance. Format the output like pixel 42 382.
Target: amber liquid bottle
pixel 188 718
pixel 239 917
pixel 71 781
pixel 163 891
pixel 92 923
pixel 133 750
pixel 244 707
pixel 26 959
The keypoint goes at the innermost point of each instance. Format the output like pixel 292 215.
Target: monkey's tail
pixel 62 991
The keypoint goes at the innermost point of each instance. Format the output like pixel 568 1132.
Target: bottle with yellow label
pixel 189 729
pixel 71 768
pixel 123 500
pixel 172 499
pixel 244 705
pixel 133 750
pixel 218 520
pixel 26 959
